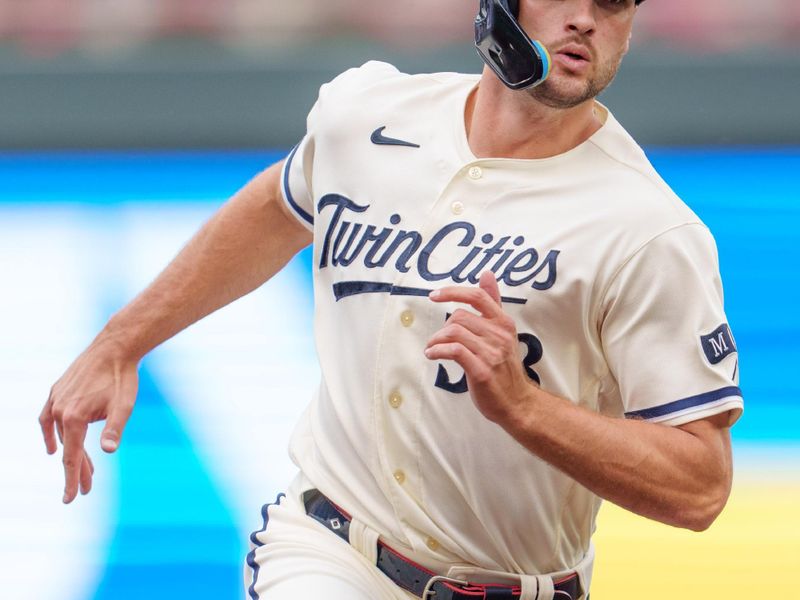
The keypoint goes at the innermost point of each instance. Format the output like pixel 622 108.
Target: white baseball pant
pixel 294 556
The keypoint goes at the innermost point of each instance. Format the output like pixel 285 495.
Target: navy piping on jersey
pixel 690 402
pixel 297 208
pixel 343 289
pixel 251 556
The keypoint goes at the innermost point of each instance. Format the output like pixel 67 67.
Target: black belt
pixel 417 579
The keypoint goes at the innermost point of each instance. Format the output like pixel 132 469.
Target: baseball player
pixel 515 318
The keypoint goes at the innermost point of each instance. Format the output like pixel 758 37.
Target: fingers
pixel 498 332
pixel 98 385
pixel 115 422
pixel 457 333
pixel 485 341
pixel 488 283
pixel 475 369
pixel 474 323
pixel 74 455
pixel 47 423
pixel 474 331
pixel 485 298
pixel 484 336
pixel 87 470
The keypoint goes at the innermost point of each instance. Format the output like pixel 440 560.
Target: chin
pixel 557 93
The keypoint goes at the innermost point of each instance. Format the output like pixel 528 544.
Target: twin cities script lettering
pixel 346 242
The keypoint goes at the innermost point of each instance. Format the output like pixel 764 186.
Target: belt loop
pixel 546 588
pixel 530 587
pixel 364 540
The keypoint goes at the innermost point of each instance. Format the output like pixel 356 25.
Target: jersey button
pixel 395 399
pixel 432 544
pixel 399 477
pixel 475 173
pixel 407 318
pixel 457 207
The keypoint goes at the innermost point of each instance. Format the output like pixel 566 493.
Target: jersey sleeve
pixel 295 187
pixel 665 334
pixel 297 176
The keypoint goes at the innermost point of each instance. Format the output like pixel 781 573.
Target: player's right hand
pixel 99 385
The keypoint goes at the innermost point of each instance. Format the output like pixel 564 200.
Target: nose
pixel 581 17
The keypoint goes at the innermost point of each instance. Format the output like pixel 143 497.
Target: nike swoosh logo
pixel 377 137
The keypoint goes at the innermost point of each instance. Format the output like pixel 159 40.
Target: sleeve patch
pixel 718 344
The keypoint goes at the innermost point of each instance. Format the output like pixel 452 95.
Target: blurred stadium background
pixel 125 124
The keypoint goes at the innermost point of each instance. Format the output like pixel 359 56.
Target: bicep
pixel 267 208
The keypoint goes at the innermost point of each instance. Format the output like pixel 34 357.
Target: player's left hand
pixel 486 347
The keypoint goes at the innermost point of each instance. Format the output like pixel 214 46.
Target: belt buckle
pixel 428 591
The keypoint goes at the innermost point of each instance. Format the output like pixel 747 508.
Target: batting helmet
pixel 516 59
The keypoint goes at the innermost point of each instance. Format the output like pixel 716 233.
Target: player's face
pixel 586 40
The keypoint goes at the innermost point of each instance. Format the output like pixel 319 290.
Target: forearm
pixel 246 242
pixel 678 476
pixel 243 245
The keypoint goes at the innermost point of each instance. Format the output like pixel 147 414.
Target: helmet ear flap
pixel 503 44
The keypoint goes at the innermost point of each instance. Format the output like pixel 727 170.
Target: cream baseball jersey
pixel 612 281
